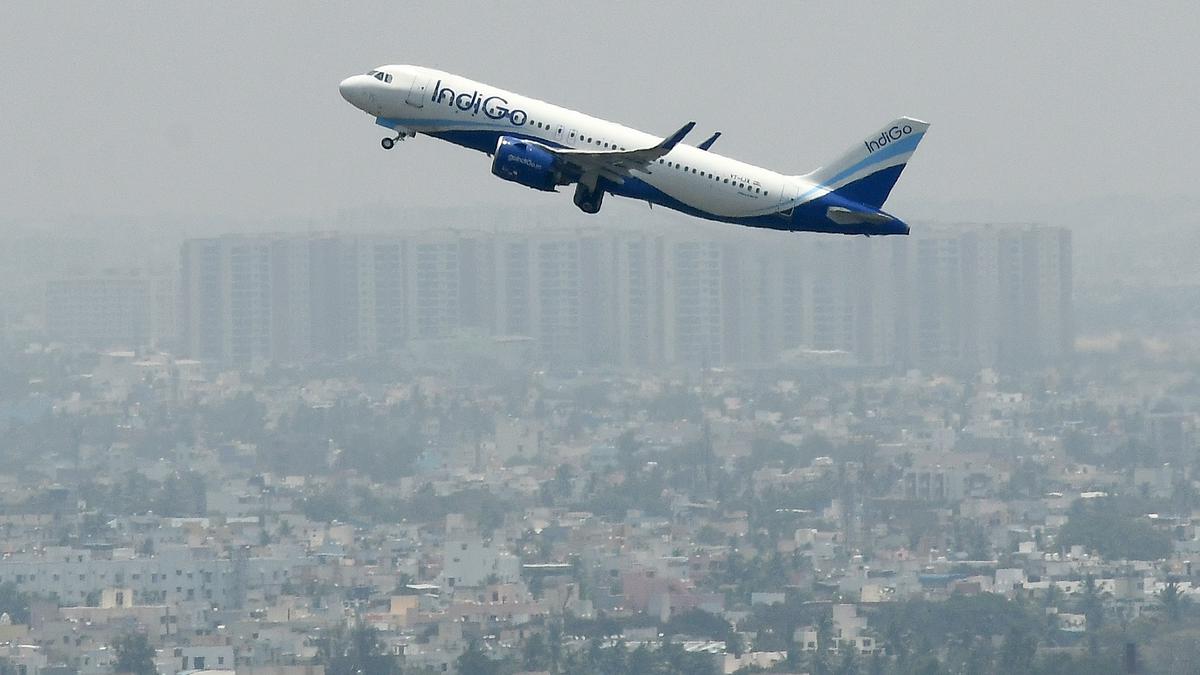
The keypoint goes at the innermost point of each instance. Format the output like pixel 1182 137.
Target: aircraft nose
pixel 348 88
pixel 355 89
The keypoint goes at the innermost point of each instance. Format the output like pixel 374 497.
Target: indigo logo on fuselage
pixel 893 134
pixel 494 107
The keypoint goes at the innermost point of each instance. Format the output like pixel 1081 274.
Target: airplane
pixel 544 146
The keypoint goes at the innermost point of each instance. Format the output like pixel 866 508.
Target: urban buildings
pixel 952 296
pixel 117 308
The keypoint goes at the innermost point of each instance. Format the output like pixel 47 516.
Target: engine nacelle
pixel 522 162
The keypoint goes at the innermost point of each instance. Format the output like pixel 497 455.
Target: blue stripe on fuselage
pixel 872 189
pixel 807 217
pixel 897 148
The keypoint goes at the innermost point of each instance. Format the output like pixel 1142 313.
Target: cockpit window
pixel 380 75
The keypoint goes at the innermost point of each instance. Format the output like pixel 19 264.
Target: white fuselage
pixel 543 146
pixel 473 114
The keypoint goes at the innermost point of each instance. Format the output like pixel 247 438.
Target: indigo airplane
pixel 543 146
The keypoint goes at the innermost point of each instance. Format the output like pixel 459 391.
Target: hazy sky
pixel 231 110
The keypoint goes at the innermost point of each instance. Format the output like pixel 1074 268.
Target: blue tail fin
pixel 867 171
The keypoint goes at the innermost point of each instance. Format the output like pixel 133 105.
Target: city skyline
pixel 274 401
pixel 949 297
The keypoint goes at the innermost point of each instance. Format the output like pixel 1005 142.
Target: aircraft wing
pixel 616 165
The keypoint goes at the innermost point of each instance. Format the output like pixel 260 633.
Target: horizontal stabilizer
pixel 845 216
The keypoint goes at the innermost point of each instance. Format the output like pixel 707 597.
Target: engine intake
pixel 523 162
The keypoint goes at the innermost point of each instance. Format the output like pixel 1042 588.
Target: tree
pixel 535 654
pixel 1115 528
pixel 182 494
pixel 641 661
pixel 1172 600
pixel 735 644
pixel 14 603
pixel 1016 656
pixel 554 637
pixel 357 652
pixel 698 623
pixel 1092 605
pixel 878 663
pixel 849 662
pixel 134 654
pixel 474 662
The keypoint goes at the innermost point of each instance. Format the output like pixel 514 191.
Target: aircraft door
pixel 789 194
pixel 418 91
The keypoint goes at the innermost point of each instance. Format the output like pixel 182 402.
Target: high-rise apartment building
pixel 983 296
pixel 127 309
pixel 945 297
pixel 244 299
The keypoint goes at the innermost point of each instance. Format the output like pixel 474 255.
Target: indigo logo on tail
pixel 894 134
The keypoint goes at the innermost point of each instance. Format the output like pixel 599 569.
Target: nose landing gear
pixel 401 134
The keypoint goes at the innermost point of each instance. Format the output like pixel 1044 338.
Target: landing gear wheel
pixel 388 143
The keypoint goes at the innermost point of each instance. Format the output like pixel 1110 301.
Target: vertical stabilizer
pixel 867 171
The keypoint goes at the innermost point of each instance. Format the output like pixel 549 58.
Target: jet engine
pixel 523 162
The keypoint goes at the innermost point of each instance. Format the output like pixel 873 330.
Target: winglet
pixel 670 141
pixel 709 141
